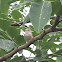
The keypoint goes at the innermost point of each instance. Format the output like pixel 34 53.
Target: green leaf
pixel 6 44
pixel 39 14
pixel 34 32
pixel 56 8
pixel 4 35
pixel 2 52
pixel 51 22
pixel 46 38
pixel 56 36
pixel 59 52
pixel 44 53
pixel 4 24
pixel 17 59
pixel 48 45
pixel 22 1
pixel 53 50
pixel 3 16
pixel 60 24
pixel 47 26
pixel 16 15
pixel 52 40
pixel 20 40
pixel 40 59
pixel 13 31
pixel 60 45
pixel 59 59
pixel 36 43
pixel 38 52
pixel 52 60
pixel 4 6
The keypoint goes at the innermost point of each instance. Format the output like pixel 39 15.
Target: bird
pixel 28 35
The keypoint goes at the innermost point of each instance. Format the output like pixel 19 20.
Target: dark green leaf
pixel 16 15
pixel 35 33
pixel 40 59
pixel 52 40
pixel 2 52
pixel 38 52
pixel 47 26
pixel 51 22
pixel 4 6
pixel 20 40
pixel 4 35
pixel 53 50
pixel 59 52
pixel 56 8
pixel 4 24
pixel 60 45
pixel 46 38
pixel 60 24
pixel 44 53
pixel 17 59
pixel 13 31
pixel 48 45
pixel 36 43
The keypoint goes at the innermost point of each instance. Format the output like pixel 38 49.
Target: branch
pixel 21 23
pixel 17 24
pixel 52 17
pixel 56 22
pixel 51 29
pixel 5 57
pixel 58 29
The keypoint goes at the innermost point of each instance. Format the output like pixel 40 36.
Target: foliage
pixel 39 15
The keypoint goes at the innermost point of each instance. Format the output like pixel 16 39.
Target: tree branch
pixel 5 57
pixel 51 29
pixel 56 22
pixel 17 24
pixel 58 29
